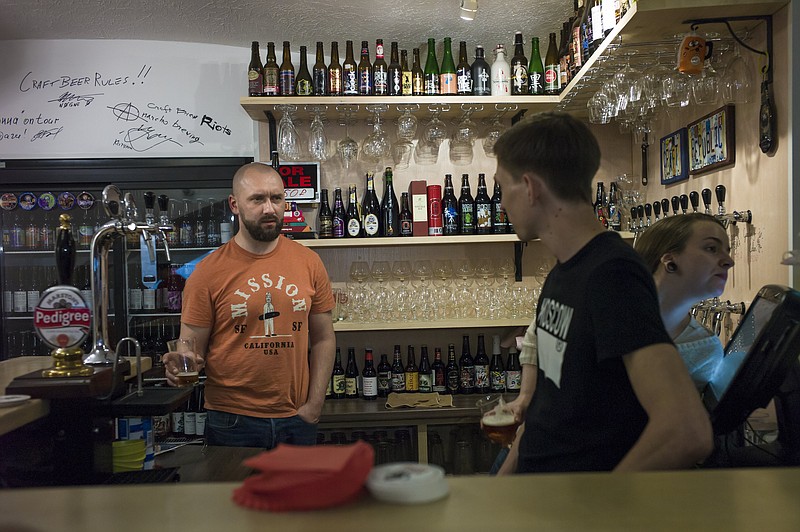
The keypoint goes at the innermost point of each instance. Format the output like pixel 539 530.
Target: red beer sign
pixel 62 318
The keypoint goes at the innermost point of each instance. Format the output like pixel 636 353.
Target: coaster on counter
pixel 12 400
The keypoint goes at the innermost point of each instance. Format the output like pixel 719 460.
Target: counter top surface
pixel 751 499
pixel 347 410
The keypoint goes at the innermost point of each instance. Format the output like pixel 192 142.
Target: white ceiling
pixel 237 22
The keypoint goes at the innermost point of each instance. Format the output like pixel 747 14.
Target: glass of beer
pixel 497 420
pixel 187 374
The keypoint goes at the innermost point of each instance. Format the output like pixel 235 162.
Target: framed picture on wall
pixel 674 157
pixel 712 142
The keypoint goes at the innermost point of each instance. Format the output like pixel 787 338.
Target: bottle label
pixel 304 87
pixel 335 82
pixel 464 81
pixel 365 83
pixel 189 423
pixel 597 23
pixel 481 83
pixel 384 381
pixel 467 378
pixel 513 380
pixel 338 385
pixel 467 220
pixel 174 299
pixel 450 220
pixel 135 299
pixel 412 381
pixel 484 215
pixel 535 82
pixel 224 232
pixel 371 224
pixel 551 82
pixel 425 382
pixel 338 227
pixel 271 82
pixel 519 80
pixel 20 301
pixel 406 227
pixel 406 83
pixel 32 299
pixel 417 84
pixel 350 81
pixel 353 227
pixel 326 227
pixel 497 380
pixel 381 80
pixel 369 386
pixel 431 84
pixel 481 376
pixel 439 381
pixel 350 386
pixel 286 80
pixel 148 299
pixel 255 84
pixel 398 382
pixel 452 380
pixel 447 83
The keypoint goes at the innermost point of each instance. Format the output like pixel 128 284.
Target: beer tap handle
pixel 657 209
pixel 131 212
pixel 640 215
pixel 665 207
pixel 706 193
pixel 694 197
pixel 676 203
pixel 149 204
pixel 163 203
pixel 632 225
pixel 720 192
pixel 684 203
pixel 112 199
pixel 65 250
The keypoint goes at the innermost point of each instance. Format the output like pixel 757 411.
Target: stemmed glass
pixel 484 278
pixel 677 89
pixel 288 139
pixel 505 270
pixel 443 276
pixel 736 83
pixel 462 294
pixel 318 139
pixel 376 145
pixel 359 274
pixel 348 147
pixel 423 304
pixel 463 137
pixel 406 131
pixel 492 133
pixel 705 87
pixel 402 307
pixel 382 304
pixel 629 88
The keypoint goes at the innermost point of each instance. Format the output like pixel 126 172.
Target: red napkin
pixel 295 477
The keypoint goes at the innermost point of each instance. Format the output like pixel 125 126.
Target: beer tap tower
pixel 123 214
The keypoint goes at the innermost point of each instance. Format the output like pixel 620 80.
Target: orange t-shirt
pixel 257 308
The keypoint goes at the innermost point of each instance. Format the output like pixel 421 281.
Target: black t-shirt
pixel 598 306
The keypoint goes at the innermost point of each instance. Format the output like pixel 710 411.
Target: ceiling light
pixel 468 9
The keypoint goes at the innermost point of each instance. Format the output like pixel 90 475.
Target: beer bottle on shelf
pixel 411 372
pixel 200 411
pixel 500 73
pixel 34 288
pixel 481 74
pixel 466 382
pixel 337 376
pixel 513 371
pixel 335 72
pixel 365 81
pixel 329 389
pixel 390 210
pixel 349 71
pixel 353 224
pixel 551 75
pixel 463 71
pixel 380 71
pixel 20 293
pixel 134 287
pixel 303 82
pixel 450 208
pixel 174 290
pixel 483 208
pixel 597 25
pixel 438 372
pixel 406 81
pixel 452 371
pixel 481 368
pixel 85 230
pixel 32 235
pixel 600 204
pixel 255 72
pixel 371 209
pixel 190 416
pixel 535 69
pixel 614 215
pixel 431 70
pixel 563 55
pixel 186 238
pixel 271 73
pixel 398 383
pixel 519 67
pixel 200 224
pixel 86 287
pixel 406 220
pixel 417 75
pixel 226 224
pixel 369 378
pixel 447 74
pixel 497 374
pixel 325 217
pixel 499 216
pixel 339 215
pixel 286 72
pixel 577 38
pixel 384 376
pixel 609 17
pixel 319 73
pixel 425 372
pixel 466 208
pixel 214 235
pixel 395 72
pixel 177 422
pixel 17 238
pixel 8 292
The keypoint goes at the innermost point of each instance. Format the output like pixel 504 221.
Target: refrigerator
pixel 144 287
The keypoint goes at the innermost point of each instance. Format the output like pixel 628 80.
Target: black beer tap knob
pixel 675 200
pixel 657 209
pixel 633 213
pixel 163 203
pixel 720 191
pixel 648 209
pixel 706 193
pixel 149 200
pixel 694 197
pixel 640 212
pixel 665 206
pixel 684 203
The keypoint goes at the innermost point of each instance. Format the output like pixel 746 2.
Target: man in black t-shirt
pixel 606 389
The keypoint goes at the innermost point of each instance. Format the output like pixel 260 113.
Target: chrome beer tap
pixel 733 217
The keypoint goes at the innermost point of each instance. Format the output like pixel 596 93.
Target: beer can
pixel 435 210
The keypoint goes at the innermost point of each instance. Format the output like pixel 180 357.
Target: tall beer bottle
pixel 438 372
pixel 501 78
pixel 425 372
pixel 406 219
pixel 349 71
pixel 365 81
pixel 371 209
pixel 447 74
pixel 551 75
pixel 369 378
pixel 499 216
pixel 255 72
pixel 286 72
pixel 303 82
pixel 319 74
pixel 353 224
pixel 481 74
pixel 576 34
pixel 466 381
pixel 519 67
pixel 325 219
pixel 450 209
pixel 395 72
pixel 597 25
pixel 417 76
pixel 483 208
pixel 390 209
pixel 380 71
pixel 513 371
pixel 412 372
pixel 431 71
pixel 384 377
pixel 466 208
pixel 398 384
pixel 271 73
pixel 535 69
pixel 463 71
pixel 497 374
pixel 564 55
pixel 351 375
pixel 339 215
pixel 452 371
pixel 481 368
pixel 406 75
pixel 337 377
pixel 335 72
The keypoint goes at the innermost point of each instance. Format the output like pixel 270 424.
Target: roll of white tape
pixel 407 483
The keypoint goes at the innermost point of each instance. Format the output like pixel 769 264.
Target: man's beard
pixel 261 233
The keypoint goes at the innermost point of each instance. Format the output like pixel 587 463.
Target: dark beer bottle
pixel 425 372
pixel 325 226
pixel 286 72
pixel 390 210
pixel 380 71
pixel 353 223
pixel 438 372
pixel 335 72
pixel 513 371
pixel 447 74
pixel 466 208
pixel 351 375
pixel 535 69
pixel 412 372
pixel 395 74
pixel 431 70
pixel 384 376
pixel 371 209
pixel 499 216
pixel 319 74
pixel 481 74
pixel 338 376
pixel 519 67
pixel 303 82
pixel 271 73
pixel 349 71
pixel 406 220
pixel 398 384
pixel 369 378
pixel 481 368
pixel 551 74
pixel 497 374
pixel 452 371
pixel 365 86
pixel 417 75
pixel 466 381
pixel 406 76
pixel 339 214
pixel 450 208
pixel 255 72
pixel 483 208
pixel 463 71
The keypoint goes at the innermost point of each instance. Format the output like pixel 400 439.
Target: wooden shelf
pixel 343 326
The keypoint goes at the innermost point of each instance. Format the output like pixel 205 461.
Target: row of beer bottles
pixel 23 285
pixel 190 420
pixel 466 376
pixel 167 296
pixel 199 223
pixel 153 335
pixel 35 230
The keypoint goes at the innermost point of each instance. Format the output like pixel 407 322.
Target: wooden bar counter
pixel 751 499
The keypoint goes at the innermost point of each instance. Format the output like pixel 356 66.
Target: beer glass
pixel 185 361
pixel 497 419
